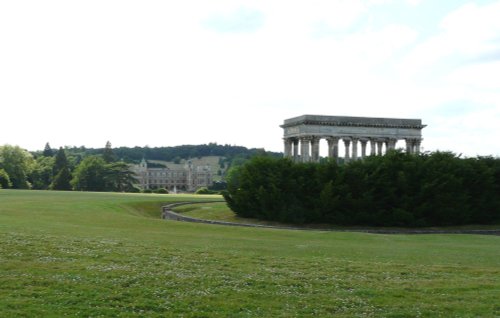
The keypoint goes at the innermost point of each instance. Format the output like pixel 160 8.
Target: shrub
pixel 160 191
pixel 392 190
pixel 205 190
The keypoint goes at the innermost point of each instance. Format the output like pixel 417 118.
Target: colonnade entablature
pixel 302 136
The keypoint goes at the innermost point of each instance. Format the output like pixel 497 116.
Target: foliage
pixel 160 191
pixel 135 154
pixel 61 161
pixel 392 190
pixel 62 181
pixel 41 175
pixel 62 174
pixel 94 174
pixel 4 180
pixel 47 151
pixel 90 175
pixel 218 185
pixel 108 155
pixel 205 190
pixel 118 177
pixel 18 164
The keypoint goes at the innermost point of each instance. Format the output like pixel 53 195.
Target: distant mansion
pixel 186 178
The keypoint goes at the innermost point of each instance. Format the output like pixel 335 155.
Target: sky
pixel 167 73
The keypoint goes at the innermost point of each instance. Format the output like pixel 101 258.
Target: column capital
pixel 333 138
pixel 347 141
pixel 306 138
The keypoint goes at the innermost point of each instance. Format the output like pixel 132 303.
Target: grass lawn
pixel 110 255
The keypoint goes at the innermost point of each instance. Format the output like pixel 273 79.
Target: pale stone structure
pixel 356 134
pixel 188 178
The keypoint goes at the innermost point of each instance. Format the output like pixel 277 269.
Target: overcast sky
pixel 166 73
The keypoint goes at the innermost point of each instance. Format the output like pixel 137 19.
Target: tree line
pixel 54 170
pixel 176 153
pixel 432 189
pixel 100 169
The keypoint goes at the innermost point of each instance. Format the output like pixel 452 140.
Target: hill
pixel 171 154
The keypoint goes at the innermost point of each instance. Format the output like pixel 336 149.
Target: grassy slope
pixel 92 254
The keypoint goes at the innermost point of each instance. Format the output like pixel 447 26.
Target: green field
pixel 110 255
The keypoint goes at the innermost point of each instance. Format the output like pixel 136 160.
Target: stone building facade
pixel 188 178
pixel 302 136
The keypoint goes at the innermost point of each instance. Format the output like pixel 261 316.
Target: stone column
pixel 315 149
pixel 417 145
pixel 373 145
pixel 333 147
pixel 363 147
pixel 295 149
pixel 380 144
pixel 409 145
pixel 392 144
pixel 304 148
pixel 355 148
pixel 347 143
pixel 288 147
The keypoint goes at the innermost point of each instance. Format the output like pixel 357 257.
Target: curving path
pixel 168 214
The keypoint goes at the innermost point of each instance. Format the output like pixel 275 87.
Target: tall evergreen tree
pixel 108 154
pixel 62 180
pixel 61 173
pixel 47 151
pixel 61 161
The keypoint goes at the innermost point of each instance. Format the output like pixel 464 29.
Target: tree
pixel 94 174
pixel 62 175
pixel 4 180
pixel 108 154
pixel 61 161
pixel 119 177
pixel 62 181
pixel 18 164
pixel 41 176
pixel 90 175
pixel 47 151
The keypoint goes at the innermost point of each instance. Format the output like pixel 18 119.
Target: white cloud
pixel 466 33
pixel 155 73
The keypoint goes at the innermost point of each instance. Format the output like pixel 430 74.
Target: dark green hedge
pixel 393 190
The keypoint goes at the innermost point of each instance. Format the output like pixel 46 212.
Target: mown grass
pixel 109 255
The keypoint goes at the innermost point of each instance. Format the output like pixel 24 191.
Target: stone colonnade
pixel 309 147
pixel 357 135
